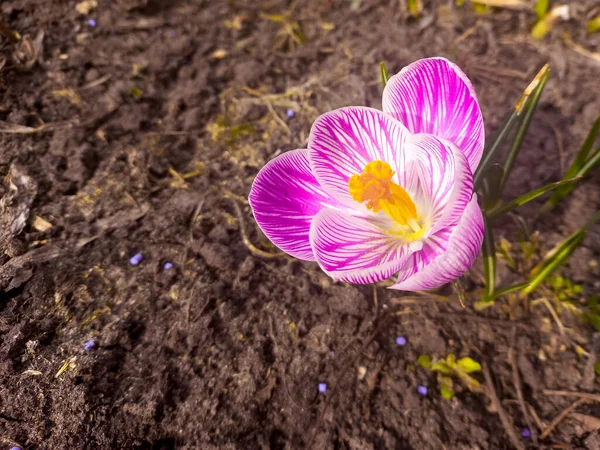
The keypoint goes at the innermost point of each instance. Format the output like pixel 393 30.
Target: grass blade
pixel 415 7
pixel 509 289
pixel 593 25
pixel 575 166
pixel 385 76
pixel 525 198
pixel 494 144
pixel 541 8
pixel 489 261
pixel 491 187
pixel 555 259
pixel 521 132
pixel 582 154
pixel 558 195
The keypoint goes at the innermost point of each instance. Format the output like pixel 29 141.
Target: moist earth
pixel 137 127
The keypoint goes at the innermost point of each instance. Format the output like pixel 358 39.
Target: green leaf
pixel 509 289
pixel 491 187
pixel 526 198
pixel 489 260
pixel 597 368
pixel 415 7
pixel 494 144
pixel 555 259
pixel 469 365
pixel 441 367
pixel 541 8
pixel 446 392
pixel 530 108
pixel 385 76
pixel 576 166
pixel 424 361
pixel 593 25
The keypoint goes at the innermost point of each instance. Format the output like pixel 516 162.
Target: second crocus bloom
pixel 382 193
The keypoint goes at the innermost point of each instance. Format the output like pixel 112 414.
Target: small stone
pixel 422 390
pixel 290 113
pixel 136 259
pixel 168 266
pixel 526 433
pixel 322 388
pixel 401 341
pixel 362 371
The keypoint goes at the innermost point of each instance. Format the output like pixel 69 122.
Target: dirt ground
pixel 137 128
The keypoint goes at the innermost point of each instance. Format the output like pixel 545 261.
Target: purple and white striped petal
pixel 284 198
pixel 434 96
pixel 342 142
pixel 442 176
pixel 352 249
pixel 428 269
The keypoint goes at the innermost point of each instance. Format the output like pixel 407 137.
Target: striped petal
pixel 284 198
pixel 434 96
pixel 342 142
pixel 353 249
pixel 440 179
pixel 445 256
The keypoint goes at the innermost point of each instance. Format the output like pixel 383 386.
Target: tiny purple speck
pixel 15 448
pixel 422 390
pixel 89 345
pixel 168 266
pixel 91 22
pixel 136 259
pixel 322 388
pixel 173 33
pixel 401 341
pixel 526 433
pixel 291 113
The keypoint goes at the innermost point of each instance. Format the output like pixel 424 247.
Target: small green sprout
pixel 564 289
pixel 449 368
pixel 136 92
pixel 592 314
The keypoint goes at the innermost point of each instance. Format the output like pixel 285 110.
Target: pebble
pixel 89 345
pixel 136 259
pixel 401 341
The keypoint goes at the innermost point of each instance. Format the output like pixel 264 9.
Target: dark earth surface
pixel 142 134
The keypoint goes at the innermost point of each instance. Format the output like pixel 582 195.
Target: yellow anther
pixel 375 188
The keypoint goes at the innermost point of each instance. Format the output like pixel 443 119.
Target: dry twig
pixel 249 245
pixel 518 388
pixel 583 395
pixel 506 422
pixel 558 419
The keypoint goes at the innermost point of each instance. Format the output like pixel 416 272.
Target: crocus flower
pixel 378 193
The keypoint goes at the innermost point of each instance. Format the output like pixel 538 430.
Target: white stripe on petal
pixel 352 249
pixel 342 142
pixel 284 197
pixel 444 180
pixel 429 269
pixel 434 96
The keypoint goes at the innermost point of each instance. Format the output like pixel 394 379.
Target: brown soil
pixel 140 125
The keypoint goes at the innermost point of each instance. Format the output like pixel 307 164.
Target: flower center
pixel 374 187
